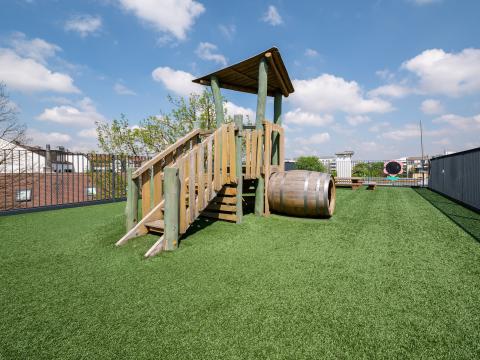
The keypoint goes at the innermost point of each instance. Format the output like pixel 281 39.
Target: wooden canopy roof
pixel 243 76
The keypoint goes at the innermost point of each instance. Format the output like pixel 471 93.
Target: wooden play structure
pixel 207 173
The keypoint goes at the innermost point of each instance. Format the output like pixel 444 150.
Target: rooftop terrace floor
pixel 388 276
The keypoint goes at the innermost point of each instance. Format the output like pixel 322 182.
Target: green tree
pixel 310 163
pixel 373 169
pixel 157 132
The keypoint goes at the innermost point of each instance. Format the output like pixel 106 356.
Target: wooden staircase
pixel 201 171
pixel 202 174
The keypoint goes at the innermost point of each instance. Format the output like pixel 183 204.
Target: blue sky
pixel 365 72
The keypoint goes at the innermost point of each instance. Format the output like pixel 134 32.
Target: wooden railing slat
pixel 225 151
pixel 248 137
pixel 200 179
pixel 232 151
pixel 191 186
pixel 216 162
pixel 259 153
pixel 183 194
pixel 209 169
pixel 253 164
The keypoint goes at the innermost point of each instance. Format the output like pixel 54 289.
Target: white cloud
pixel 385 74
pixel 172 16
pixel 36 49
pixel 83 114
pixel 121 89
pixel 84 24
pixel 178 81
pixel 311 52
pixel 315 139
pixel 431 107
pixel 272 16
pixel 228 30
pixel 27 75
pixel 459 122
pixel 233 109
pixel 413 131
pixel 207 51
pixel 378 127
pixel 390 90
pixel 299 117
pixel 451 74
pixel 355 120
pixel 330 93
pixel 38 137
pixel 444 141
pixel 88 133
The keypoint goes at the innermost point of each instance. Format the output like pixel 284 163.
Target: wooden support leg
pixel 131 210
pixel 172 194
pixel 260 116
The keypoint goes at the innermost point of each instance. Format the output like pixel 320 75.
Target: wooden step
pixel 156 226
pixel 225 200
pixel 219 216
pixel 228 191
pixel 222 207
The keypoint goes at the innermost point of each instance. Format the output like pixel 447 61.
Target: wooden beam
pixel 156 248
pixel 172 195
pixel 243 75
pixel 277 73
pixel 139 228
pixel 261 104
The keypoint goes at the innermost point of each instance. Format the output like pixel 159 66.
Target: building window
pixel 91 191
pixel 24 195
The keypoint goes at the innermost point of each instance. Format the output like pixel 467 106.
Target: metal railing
pixel 415 172
pixel 37 178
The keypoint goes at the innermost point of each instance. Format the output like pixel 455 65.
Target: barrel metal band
pixel 326 203
pixel 281 190
pixel 317 195
pixel 305 193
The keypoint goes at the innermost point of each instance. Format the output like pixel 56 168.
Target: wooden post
pixel 217 97
pixel 239 171
pixel 172 194
pixel 131 210
pixel 261 103
pixel 277 113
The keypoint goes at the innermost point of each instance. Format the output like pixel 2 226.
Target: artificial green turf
pixel 467 219
pixel 389 276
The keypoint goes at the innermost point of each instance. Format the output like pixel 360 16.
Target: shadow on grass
pixel 467 219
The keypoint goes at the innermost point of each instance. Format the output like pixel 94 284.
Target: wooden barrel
pixel 302 193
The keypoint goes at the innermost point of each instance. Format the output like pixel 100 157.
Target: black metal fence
pixel 414 171
pixel 458 177
pixel 37 178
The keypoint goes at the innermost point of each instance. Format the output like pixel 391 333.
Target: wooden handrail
pixel 164 153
